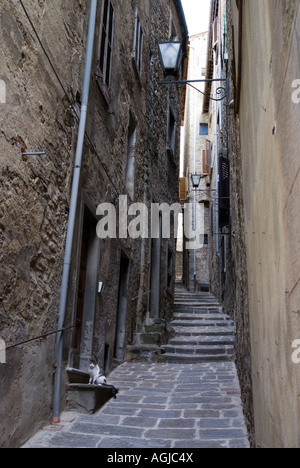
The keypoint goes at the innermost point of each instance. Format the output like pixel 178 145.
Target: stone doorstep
pixel 87 399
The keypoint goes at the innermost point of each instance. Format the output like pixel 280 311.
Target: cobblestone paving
pixel 159 406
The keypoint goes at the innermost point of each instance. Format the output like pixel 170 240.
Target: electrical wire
pixel 38 338
pixel 64 89
pixel 44 50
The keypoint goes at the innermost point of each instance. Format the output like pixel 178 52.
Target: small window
pixel 138 45
pixel 205 242
pixel 131 159
pixel 106 45
pixel 171 143
pixel 170 270
pixel 173 31
pixel 203 129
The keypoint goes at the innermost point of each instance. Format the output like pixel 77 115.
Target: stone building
pixel 195 161
pixel 115 284
pixel 254 252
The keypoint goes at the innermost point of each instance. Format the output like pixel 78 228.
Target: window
pixel 183 189
pixel 170 270
pixel 171 137
pixel 107 31
pixel 131 161
pixel 224 192
pixel 206 159
pixel 138 45
pixel 173 31
pixel 203 129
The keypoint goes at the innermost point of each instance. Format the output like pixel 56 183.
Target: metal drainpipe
pixel 73 209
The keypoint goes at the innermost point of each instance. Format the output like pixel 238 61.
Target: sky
pixel 197 15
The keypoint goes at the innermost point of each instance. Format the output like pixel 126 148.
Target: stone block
pixel 87 399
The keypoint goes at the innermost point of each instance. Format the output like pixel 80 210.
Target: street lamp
pixel 196 179
pixel 171 54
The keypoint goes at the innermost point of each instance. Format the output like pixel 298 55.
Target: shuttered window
pixel 208 153
pixel 206 158
pixel 205 168
pixel 138 45
pixel 107 32
pixel 183 189
pixel 224 192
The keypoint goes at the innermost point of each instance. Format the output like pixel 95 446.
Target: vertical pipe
pixel 73 208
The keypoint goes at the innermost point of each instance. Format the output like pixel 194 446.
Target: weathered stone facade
pixel 269 129
pixel 229 277
pixel 196 262
pixel 253 257
pixel 125 153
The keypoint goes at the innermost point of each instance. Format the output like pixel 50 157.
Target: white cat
pixel 96 376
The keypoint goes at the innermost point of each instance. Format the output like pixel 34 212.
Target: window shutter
pixel 107 32
pixel 205 166
pixel 215 32
pixel 224 192
pixel 183 189
pixel 208 153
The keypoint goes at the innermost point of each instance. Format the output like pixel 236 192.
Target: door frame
pixel 122 308
pixel 83 358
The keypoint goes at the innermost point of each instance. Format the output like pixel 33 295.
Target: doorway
pixel 86 292
pixel 155 278
pixel 120 338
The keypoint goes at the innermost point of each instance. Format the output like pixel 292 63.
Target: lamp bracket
pixel 219 91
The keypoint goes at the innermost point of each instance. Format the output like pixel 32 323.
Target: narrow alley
pixel 190 401
pixel 149 224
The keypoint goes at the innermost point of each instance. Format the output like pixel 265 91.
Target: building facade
pixel 196 160
pixel 255 248
pixel 117 282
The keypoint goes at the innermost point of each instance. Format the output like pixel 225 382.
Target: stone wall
pixel 228 266
pixel 34 197
pixel 269 123
pixel 35 191
pixel 196 263
pixel 258 282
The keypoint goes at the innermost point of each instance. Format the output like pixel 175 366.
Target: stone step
pixel 193 359
pixel 203 340
pixel 198 316
pixel 201 323
pixel 197 306
pixel 197 310
pixel 195 301
pixel 203 331
pixel 202 349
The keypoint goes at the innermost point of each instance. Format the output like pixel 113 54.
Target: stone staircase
pixel 203 333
